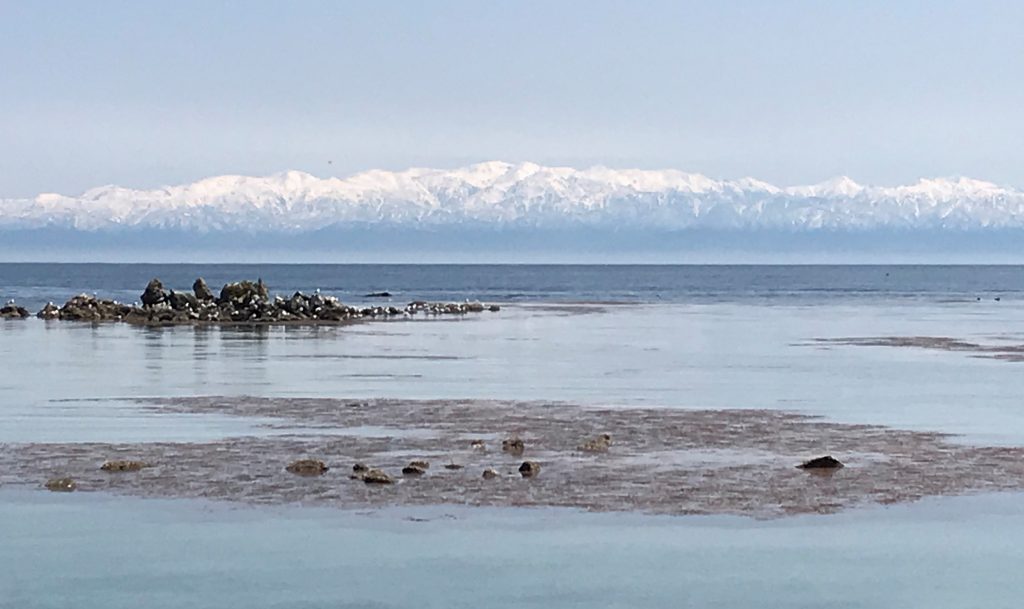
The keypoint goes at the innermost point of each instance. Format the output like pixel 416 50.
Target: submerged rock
pixel 452 466
pixel 490 473
pixel 529 469
pixel 307 467
pixel 514 446
pixel 123 466
pixel 599 444
pixel 826 462
pixel 61 485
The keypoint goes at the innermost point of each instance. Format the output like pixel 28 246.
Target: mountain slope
pixel 521 196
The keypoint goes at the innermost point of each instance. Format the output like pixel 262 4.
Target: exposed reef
pixel 241 302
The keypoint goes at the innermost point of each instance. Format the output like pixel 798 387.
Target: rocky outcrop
pixel 13 311
pixel 61 485
pixel 123 466
pixel 239 302
pixel 823 463
pixel 307 467
pixel 89 308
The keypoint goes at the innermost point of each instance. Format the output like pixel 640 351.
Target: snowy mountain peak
pixel 502 194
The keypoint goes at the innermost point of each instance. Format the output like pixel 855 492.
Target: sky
pixel 146 94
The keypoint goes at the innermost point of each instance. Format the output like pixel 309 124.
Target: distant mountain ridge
pixel 521 196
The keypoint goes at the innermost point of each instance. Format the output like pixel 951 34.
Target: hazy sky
pixel 791 92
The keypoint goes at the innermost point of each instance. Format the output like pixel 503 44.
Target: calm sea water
pixel 673 337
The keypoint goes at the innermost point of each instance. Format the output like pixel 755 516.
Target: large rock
pixel 182 301
pixel 50 311
pixel 244 292
pixel 376 476
pixel 529 469
pixel 89 308
pixel 154 294
pixel 202 291
pixel 828 462
pixel 13 311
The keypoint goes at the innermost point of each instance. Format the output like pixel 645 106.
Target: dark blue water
pixel 34 284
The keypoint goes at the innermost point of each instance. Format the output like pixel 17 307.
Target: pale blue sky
pixel 144 94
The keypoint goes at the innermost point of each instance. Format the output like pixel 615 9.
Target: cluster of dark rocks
pixel 237 302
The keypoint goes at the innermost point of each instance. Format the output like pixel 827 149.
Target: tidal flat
pixel 658 461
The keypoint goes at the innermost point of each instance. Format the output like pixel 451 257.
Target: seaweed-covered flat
pixel 669 461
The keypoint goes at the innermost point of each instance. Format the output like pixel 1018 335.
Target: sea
pixel 699 337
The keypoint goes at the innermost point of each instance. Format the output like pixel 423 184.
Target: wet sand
pixel 660 461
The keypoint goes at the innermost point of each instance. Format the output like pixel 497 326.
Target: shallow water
pixel 697 339
pixel 93 552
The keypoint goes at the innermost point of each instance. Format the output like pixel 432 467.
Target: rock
pixel 494 308
pixel 529 469
pixel 61 485
pixel 123 466
pixel 599 444
pixel 377 295
pixel 89 308
pixel 13 311
pixel 307 467
pixel 359 467
pixel 180 301
pixel 478 445
pixel 514 446
pixel 154 294
pixel 421 464
pixel 452 466
pixel 413 470
pixel 826 462
pixel 50 311
pixel 376 476
pixel 202 291
pixel 490 473
pixel 243 293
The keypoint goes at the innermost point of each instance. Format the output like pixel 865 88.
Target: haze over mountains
pixel 515 206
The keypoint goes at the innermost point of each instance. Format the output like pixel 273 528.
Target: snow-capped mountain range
pixel 523 195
